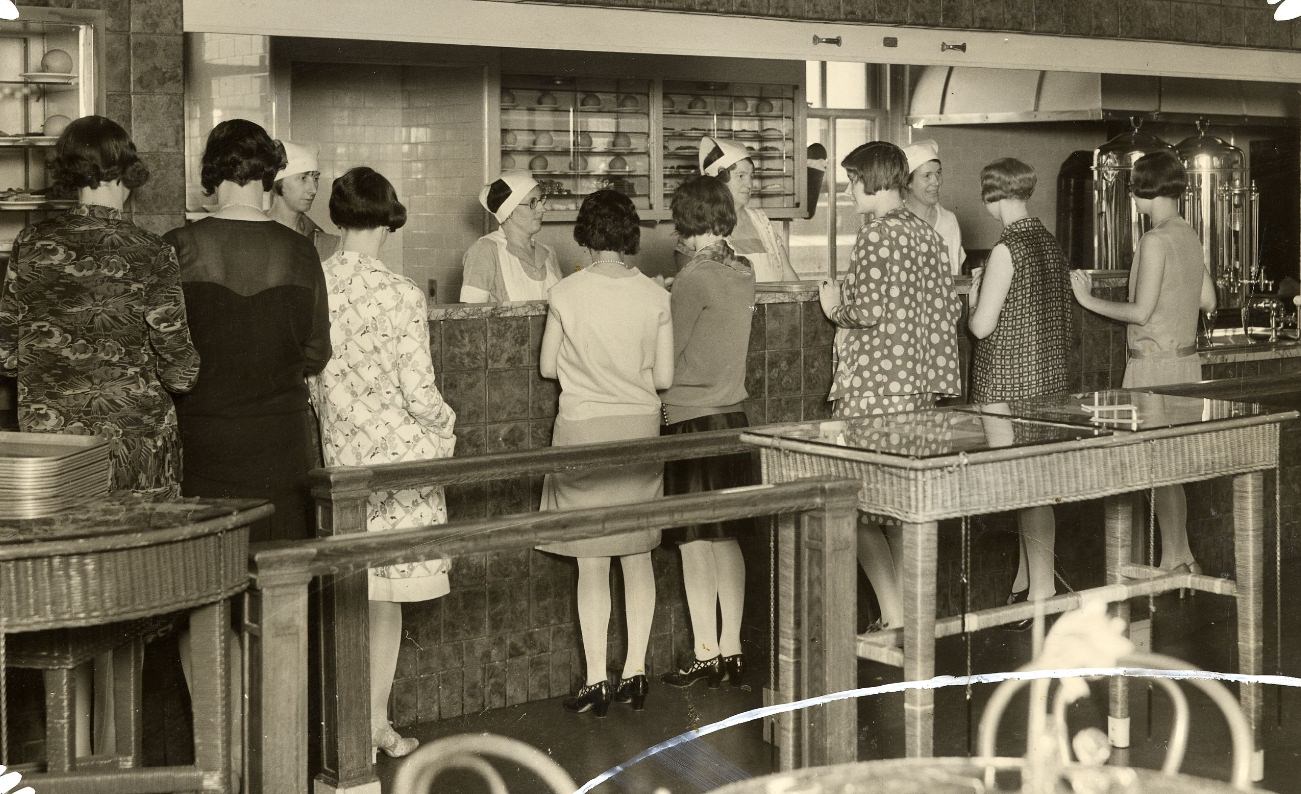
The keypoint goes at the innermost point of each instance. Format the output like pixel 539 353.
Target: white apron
pixel 519 287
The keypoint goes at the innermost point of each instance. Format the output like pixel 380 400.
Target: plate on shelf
pixel 61 78
pixel 6 204
pixel 772 132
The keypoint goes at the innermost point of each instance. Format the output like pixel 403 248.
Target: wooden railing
pixel 816 598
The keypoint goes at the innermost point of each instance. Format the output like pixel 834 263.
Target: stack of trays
pixel 43 473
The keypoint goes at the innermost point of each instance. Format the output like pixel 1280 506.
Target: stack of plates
pixel 43 473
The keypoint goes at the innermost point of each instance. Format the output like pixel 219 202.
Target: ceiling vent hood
pixel 972 95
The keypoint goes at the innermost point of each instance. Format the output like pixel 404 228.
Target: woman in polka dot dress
pixel 896 314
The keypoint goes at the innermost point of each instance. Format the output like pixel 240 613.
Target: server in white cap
pixel 509 264
pixel 922 196
pixel 292 195
pixel 754 236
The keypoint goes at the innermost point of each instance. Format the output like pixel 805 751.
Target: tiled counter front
pixel 507 633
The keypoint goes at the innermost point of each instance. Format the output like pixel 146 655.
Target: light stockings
pixel 1172 517
pixel 1037 542
pixel 639 609
pixel 235 669
pixel 385 643
pixel 878 563
pixel 713 574
pixel 730 566
pixel 594 614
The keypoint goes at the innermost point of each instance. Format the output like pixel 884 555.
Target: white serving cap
pixel 506 191
pixel 301 160
pixel 715 155
pixel 919 152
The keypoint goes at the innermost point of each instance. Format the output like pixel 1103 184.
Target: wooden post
pixel 343 631
pixel 276 650
pixel 1118 523
pixel 828 539
pixel 788 650
pixel 1249 572
pixel 919 553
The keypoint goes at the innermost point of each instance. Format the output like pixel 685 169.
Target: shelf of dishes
pixel 538 99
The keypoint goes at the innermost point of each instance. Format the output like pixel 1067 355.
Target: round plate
pixel 50 77
pixel 20 205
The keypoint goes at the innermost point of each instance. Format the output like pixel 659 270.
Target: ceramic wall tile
pixel 508 394
pixel 156 65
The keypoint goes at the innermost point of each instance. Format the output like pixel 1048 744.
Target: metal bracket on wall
pixel 960 47
pixel 828 40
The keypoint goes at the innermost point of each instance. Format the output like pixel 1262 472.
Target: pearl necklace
pixel 619 262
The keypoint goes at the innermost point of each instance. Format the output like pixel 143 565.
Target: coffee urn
pixel 1222 205
pixel 1117 224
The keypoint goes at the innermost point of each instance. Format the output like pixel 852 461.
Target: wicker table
pixel 925 466
pixel 121 558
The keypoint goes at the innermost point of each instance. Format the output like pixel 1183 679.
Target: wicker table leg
pixel 1249 561
pixel 919 563
pixel 210 693
pixel 60 724
pixel 1119 530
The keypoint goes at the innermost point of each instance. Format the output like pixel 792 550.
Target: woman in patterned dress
pixel 1021 318
pixel 895 316
pixel 92 319
pixel 378 403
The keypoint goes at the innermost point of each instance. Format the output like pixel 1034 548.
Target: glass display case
pixel 762 117
pixel 47 79
pixel 578 135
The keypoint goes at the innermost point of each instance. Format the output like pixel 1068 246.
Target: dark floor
pixel 1199 630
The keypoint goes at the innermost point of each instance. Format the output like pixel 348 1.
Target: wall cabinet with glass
pixel 47 79
pixel 578 135
pixel 641 136
pixel 760 117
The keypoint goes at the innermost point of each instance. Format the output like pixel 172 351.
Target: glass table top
pixel 968 429
pixel 1120 409
pixel 928 434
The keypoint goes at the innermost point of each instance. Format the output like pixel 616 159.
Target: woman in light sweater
pixel 713 303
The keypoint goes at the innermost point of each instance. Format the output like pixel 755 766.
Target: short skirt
pixel 709 474
pixel 612 486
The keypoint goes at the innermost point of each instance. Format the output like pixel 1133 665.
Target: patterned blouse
pixel 897 319
pixel 1026 354
pixel 378 403
pixel 92 322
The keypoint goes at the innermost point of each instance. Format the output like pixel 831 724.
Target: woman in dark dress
pixel 256 299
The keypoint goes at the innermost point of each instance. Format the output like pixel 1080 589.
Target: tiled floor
pixel 1200 630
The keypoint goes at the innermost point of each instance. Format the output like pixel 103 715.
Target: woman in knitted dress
pixel 1021 318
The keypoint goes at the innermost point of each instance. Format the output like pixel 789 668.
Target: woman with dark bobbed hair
pixel 713 305
pixel 86 362
pixel 377 403
pixel 609 340
pixel 1169 283
pixel 258 314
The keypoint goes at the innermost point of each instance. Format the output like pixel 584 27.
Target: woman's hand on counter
pixel 828 296
pixel 973 292
pixel 1082 286
pixel 664 281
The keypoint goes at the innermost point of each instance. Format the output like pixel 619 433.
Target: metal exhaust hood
pixel 972 95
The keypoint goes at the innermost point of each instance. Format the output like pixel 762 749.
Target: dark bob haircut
pixel 363 199
pixel 608 221
pixel 93 150
pixel 877 165
pixel 1156 174
pixel 1007 177
pixel 703 204
pixel 240 151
